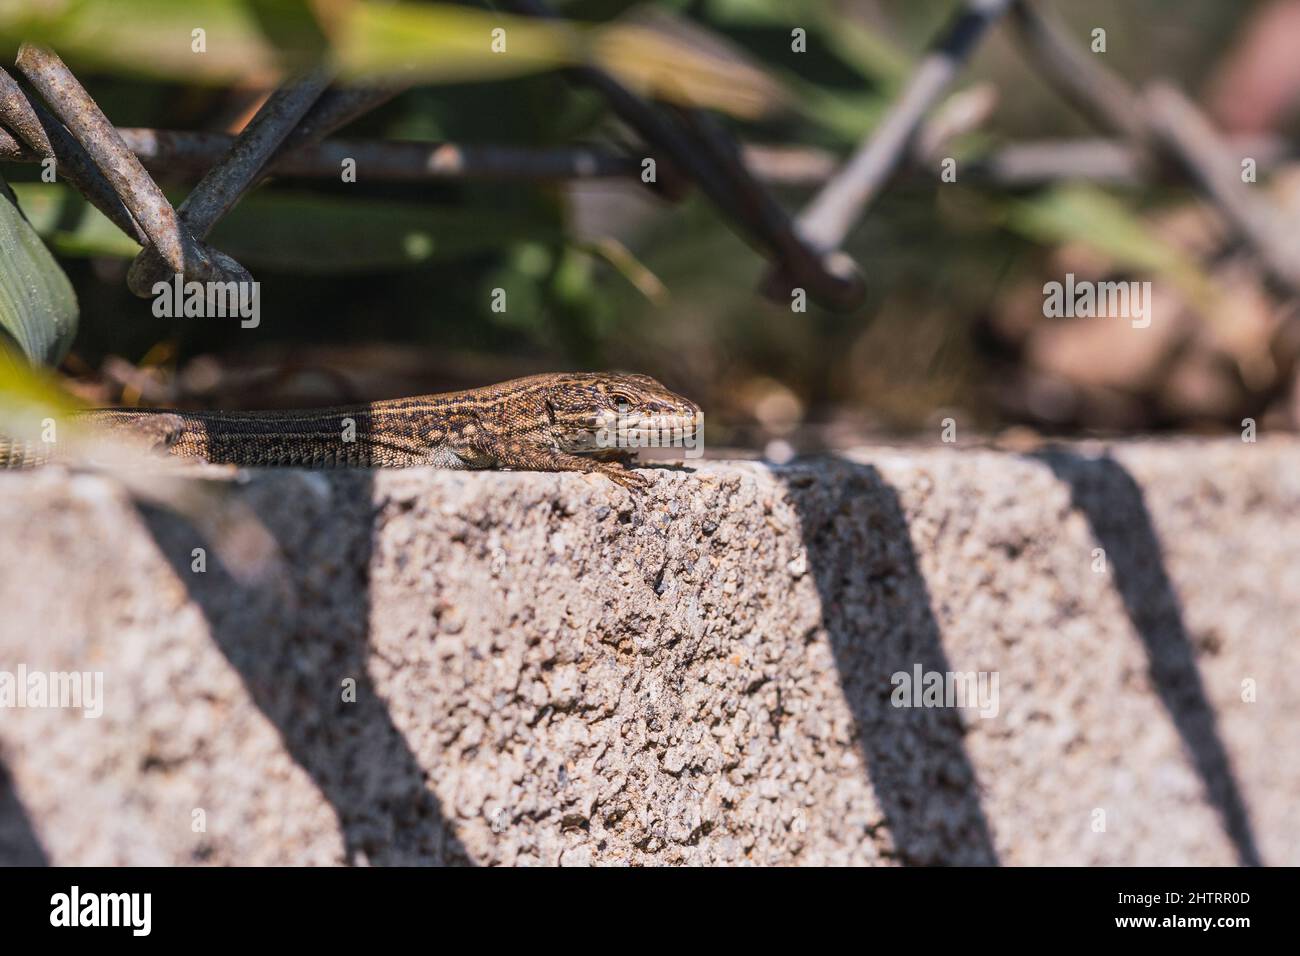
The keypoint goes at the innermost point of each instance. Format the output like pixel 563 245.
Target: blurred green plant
pixel 221 41
pixel 38 309
pixel 30 396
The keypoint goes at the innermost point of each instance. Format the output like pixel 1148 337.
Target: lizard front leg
pixel 530 457
pixel 621 455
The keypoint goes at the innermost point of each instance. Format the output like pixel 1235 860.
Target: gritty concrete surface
pixel 495 668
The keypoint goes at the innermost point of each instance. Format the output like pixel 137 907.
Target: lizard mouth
pixel 632 430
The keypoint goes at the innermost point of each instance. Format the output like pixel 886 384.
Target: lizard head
pixel 598 411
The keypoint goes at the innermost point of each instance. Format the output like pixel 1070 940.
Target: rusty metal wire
pixel 45 137
pixel 701 150
pixel 335 109
pixel 1188 137
pixel 139 193
pixel 184 154
pixel 96 158
pixel 831 279
pixel 227 181
pixel 1076 75
pixel 841 203
pixel 672 153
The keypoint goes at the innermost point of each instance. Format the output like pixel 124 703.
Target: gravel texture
pixel 547 670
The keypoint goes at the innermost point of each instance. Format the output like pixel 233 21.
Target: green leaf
pixel 672 58
pixel 38 309
pixel 443 43
pixel 253 39
pixel 70 224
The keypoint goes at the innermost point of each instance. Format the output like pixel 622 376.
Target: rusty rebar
pixel 184 155
pixel 827 220
pixel 1112 162
pixel 45 137
pixel 704 152
pixel 165 230
pixel 1189 138
pixel 831 279
pixel 675 164
pixel 228 180
pixel 336 108
pixel 1161 125
pixel 389 161
pixel 1078 76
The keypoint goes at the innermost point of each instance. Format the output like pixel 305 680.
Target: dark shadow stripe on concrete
pixel 19 845
pixel 353 751
pixel 1113 503
pixel 877 613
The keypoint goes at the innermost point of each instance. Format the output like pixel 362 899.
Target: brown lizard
pixel 579 421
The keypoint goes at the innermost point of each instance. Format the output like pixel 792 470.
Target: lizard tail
pixel 144 431
pixel 22 454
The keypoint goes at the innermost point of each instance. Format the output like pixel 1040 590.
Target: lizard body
pixel 550 422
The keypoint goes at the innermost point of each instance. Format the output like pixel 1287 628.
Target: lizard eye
pixel 619 398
